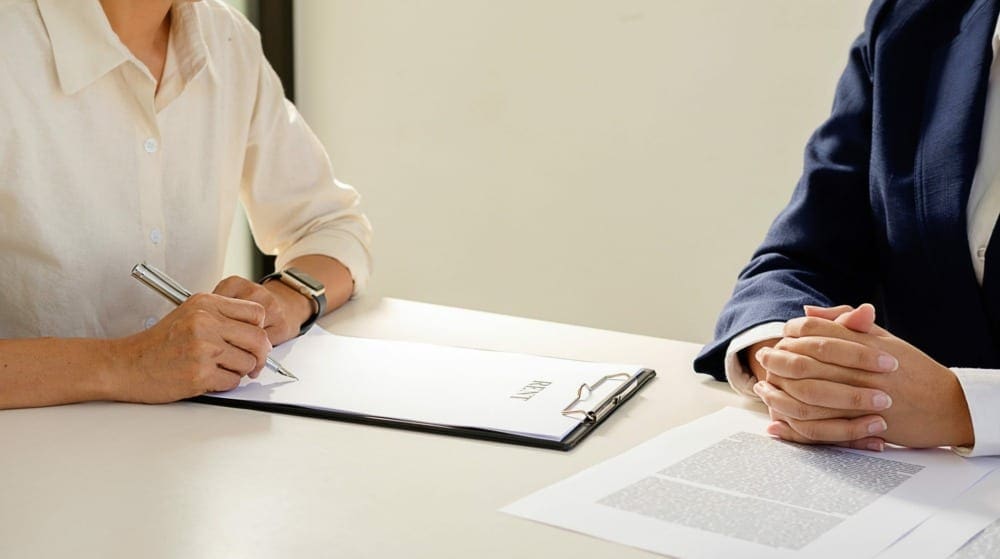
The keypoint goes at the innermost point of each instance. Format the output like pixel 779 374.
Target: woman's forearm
pixel 51 371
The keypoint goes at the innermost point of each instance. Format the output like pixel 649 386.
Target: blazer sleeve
pixel 821 249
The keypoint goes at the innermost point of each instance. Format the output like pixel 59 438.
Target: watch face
pixel 305 279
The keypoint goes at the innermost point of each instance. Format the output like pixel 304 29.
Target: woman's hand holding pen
pixel 284 309
pixel 207 344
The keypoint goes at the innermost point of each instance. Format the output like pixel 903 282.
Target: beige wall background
pixel 611 163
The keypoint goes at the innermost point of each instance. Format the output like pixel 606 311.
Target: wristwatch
pixel 305 284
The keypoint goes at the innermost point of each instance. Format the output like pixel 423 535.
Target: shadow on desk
pixel 713 384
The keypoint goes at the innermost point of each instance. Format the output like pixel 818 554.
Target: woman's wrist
pixel 297 307
pixel 109 366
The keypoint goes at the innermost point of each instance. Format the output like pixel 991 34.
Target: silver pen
pixel 175 293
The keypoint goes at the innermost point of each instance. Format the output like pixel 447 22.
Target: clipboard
pixel 590 414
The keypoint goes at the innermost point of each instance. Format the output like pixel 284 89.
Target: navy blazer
pixel 879 213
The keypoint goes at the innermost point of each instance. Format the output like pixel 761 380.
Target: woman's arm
pixel 207 344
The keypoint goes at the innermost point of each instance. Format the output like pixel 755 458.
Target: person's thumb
pixel 861 319
pixel 828 313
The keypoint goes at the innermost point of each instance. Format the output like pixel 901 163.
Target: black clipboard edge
pixel 573 438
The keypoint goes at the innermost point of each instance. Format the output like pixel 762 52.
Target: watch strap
pixel 319 300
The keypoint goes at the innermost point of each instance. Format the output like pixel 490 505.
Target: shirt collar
pixel 188 39
pixel 83 44
pixel 85 47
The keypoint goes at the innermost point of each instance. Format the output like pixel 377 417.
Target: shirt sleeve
pixel 982 393
pixel 294 204
pixel 739 377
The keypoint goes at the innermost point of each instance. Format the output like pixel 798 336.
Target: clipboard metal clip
pixel 601 409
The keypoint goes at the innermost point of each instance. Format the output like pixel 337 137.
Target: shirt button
pixel 150 322
pixel 981 253
pixel 156 236
pixel 151 145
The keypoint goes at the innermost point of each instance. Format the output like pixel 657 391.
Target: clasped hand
pixel 836 377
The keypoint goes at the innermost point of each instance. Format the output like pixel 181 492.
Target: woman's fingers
pixel 844 353
pixel 837 396
pixel 829 313
pixel 790 365
pixel 837 430
pixel 807 326
pixel 811 399
pixel 783 430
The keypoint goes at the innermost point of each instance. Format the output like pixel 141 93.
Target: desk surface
pixel 191 480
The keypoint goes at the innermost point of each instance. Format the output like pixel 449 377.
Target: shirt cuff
pixel 982 392
pixel 739 377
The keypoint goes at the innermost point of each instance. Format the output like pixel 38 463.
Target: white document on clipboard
pixel 523 395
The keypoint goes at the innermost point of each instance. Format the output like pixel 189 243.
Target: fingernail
pixel 881 401
pixel 877 426
pixel 887 362
pixel 761 388
pixel 877 446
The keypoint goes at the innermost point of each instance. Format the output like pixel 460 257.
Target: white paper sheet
pixel 720 487
pixel 984 545
pixel 513 393
pixel 968 528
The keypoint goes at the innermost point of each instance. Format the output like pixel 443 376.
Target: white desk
pixel 191 480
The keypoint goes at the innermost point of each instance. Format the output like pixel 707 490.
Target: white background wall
pixel 603 162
